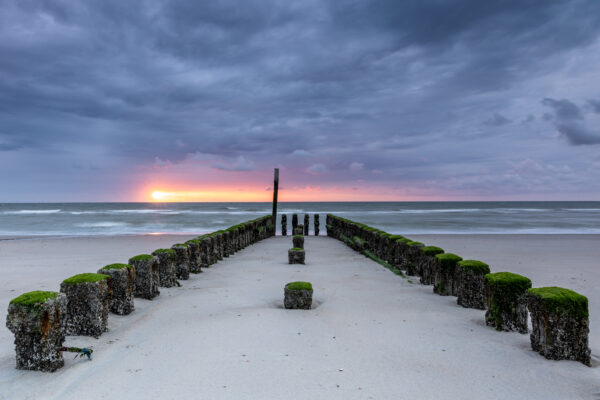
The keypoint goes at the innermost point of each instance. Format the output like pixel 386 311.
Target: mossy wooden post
pixel 227 250
pixel 181 259
pixel 316 224
pixel 165 261
pixel 505 295
pixel 88 303
pixel 37 320
pixel 414 253
pixel 560 324
pixel 207 251
pixel 298 241
pixel 445 281
pixel 294 223
pixel 299 230
pixel 296 255
pixel 298 296
pixel 402 253
pixel 283 225
pixel 195 256
pixel 471 284
pixel 306 224
pixel 146 276
pixel 392 249
pixel 428 264
pixel 122 284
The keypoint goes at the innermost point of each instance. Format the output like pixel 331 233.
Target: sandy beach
pixel 371 335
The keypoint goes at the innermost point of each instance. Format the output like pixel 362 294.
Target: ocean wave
pixel 21 212
pixel 105 224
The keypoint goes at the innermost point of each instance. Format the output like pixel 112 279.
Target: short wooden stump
pixel 122 283
pixel 296 256
pixel 506 301
pixel 88 302
pixel 560 324
pixel 37 321
pixel 298 295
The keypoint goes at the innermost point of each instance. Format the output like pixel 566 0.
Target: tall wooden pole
pixel 275 190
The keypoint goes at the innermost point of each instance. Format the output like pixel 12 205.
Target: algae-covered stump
pixel 299 230
pixel 165 260
pixel 413 254
pixel 298 241
pixel 445 281
pixel 560 324
pixel 88 302
pixel 146 276
pixel 181 259
pixel 296 255
pixel 37 321
pixel 283 225
pixel 505 301
pixel 122 284
pixel 306 224
pixel 298 295
pixel 195 261
pixel 471 284
pixel 317 223
pixel 207 252
pixel 427 264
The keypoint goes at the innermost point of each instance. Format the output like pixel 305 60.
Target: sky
pixel 352 100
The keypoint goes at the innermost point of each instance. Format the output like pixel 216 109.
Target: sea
pixel 21 220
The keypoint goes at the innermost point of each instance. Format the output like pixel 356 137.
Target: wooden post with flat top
pixel 275 190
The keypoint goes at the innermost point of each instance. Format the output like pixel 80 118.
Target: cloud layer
pixel 416 100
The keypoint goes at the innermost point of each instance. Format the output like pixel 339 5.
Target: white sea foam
pixel 33 212
pixel 105 224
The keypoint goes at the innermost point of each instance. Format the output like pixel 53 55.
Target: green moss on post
pixel 85 278
pixel 117 266
pixel 34 299
pixel 170 251
pixel 413 243
pixel 431 250
pixel 141 257
pixel 299 285
pixel 475 266
pixel 448 260
pixel 562 301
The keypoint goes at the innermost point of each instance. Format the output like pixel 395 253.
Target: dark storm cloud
pixel 569 120
pixel 564 109
pixel 497 120
pixel 595 104
pixel 256 83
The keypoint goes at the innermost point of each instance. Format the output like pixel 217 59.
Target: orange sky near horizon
pixel 255 194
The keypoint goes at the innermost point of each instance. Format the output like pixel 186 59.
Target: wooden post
pixel 275 190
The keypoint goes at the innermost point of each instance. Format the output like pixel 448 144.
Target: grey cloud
pixel 240 164
pixel 568 120
pixel 564 109
pixel 375 83
pixel 577 134
pixel 9 146
pixel 595 104
pixel 497 120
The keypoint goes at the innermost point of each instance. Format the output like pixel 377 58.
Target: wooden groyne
pixel 40 320
pixel 559 316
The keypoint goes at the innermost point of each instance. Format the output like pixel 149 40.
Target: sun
pixel 160 196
